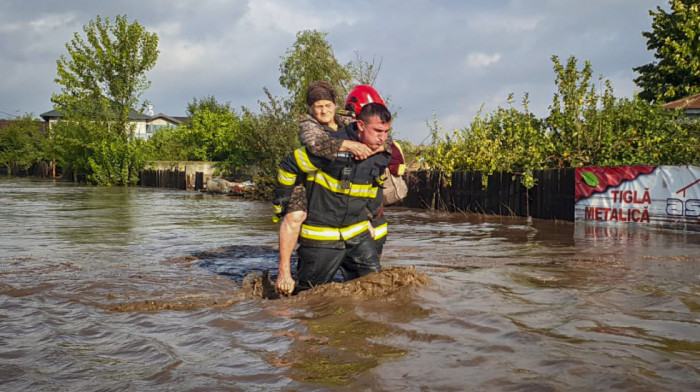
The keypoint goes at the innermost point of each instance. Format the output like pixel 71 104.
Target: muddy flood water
pixel 136 289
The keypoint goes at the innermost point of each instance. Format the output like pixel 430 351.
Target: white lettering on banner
pixel 664 196
pixel 675 207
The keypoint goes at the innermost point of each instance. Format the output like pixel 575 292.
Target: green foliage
pixel 211 136
pixel 102 79
pixel 167 144
pixel 208 103
pixel 73 142
pixel 506 140
pixel 575 122
pixel 589 128
pixel 104 75
pixel 215 132
pixel 115 162
pixel 22 143
pixel 270 135
pixel 97 154
pixel 584 127
pixel 675 40
pixel 310 59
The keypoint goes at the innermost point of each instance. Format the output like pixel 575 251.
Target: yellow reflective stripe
pixel 319 233
pixel 303 161
pixel 278 208
pixel 380 231
pixel 331 233
pixel 402 169
pixel 285 178
pixel 351 231
pixel 334 185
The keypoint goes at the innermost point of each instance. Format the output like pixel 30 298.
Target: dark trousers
pixel 319 265
pixel 380 246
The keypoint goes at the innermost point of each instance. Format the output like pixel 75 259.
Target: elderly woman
pixel 314 135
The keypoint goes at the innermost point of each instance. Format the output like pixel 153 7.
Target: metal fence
pixel 552 197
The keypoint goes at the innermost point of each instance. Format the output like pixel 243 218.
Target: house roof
pixel 133 115
pixel 50 114
pixel 172 119
pixel 687 103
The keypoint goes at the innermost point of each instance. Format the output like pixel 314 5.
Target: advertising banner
pixel 667 196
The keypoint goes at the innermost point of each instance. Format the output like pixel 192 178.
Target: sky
pixel 448 58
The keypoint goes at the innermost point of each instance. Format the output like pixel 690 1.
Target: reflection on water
pixel 134 289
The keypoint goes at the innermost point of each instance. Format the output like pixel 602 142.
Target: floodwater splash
pixel 241 264
pixel 340 340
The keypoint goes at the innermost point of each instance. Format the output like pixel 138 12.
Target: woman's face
pixel 323 111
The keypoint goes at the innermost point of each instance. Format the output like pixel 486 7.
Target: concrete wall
pixel 189 167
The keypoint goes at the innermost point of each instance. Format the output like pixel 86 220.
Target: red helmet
pixel 360 96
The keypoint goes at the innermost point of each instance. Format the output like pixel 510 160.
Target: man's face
pixel 323 111
pixel 373 133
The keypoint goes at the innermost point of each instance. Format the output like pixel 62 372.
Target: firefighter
pixel 314 134
pixel 340 193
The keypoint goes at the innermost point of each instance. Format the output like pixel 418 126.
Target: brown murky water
pixel 113 289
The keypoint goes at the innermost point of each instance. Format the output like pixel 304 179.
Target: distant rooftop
pixel 687 103
pixel 133 115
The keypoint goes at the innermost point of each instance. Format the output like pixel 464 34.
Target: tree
pixel 102 80
pixel 584 128
pixel 214 133
pixel 22 143
pixel 311 58
pixel 270 135
pixel 167 145
pixel 364 71
pixel 209 103
pixel 675 39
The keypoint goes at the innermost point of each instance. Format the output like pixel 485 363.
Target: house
pixel 161 120
pixel 689 105
pixel 144 125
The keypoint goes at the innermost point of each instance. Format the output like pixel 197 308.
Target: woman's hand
pixel 359 150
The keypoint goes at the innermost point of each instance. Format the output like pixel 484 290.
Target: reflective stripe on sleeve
pixel 380 231
pixel 303 161
pixel 285 178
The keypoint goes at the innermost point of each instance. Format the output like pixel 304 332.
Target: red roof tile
pixel 692 102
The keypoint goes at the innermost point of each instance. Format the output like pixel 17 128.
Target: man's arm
pixel 293 165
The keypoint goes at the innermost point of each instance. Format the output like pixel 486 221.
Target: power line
pixel 9 114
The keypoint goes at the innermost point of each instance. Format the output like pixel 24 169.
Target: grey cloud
pixel 219 48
